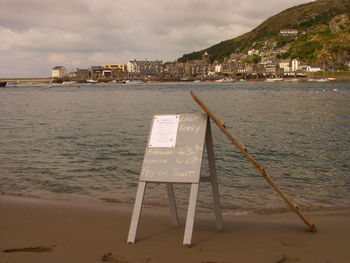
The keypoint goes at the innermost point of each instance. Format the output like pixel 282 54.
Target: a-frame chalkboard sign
pixel 174 154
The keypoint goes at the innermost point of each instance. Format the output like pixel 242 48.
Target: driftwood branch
pixel 256 164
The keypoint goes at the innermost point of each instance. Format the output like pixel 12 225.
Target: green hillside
pixel 323 35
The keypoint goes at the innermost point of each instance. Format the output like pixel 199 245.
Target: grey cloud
pixel 113 31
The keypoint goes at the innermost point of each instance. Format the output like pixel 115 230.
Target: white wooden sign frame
pixel 194 179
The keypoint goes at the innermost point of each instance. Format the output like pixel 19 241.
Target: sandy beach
pixel 36 230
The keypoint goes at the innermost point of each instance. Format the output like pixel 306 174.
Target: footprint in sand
pixel 110 258
pixel 294 243
pixel 288 258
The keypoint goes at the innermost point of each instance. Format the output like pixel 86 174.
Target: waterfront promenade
pixel 26 80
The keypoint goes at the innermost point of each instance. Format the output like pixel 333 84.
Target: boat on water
pixel 274 79
pixel 3 84
pixel 292 80
pixel 132 81
pixel 322 80
pixel 225 80
pixel 69 82
pixel 92 81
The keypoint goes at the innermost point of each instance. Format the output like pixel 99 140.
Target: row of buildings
pixel 112 71
pixel 237 66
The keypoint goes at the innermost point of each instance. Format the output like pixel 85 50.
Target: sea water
pixel 87 143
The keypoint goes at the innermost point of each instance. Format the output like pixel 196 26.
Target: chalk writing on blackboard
pixel 152 151
pixel 190 128
pixel 179 162
pixel 179 173
pixel 164 131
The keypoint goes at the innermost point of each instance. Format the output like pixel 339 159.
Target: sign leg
pixel 172 204
pixel 136 212
pixel 213 177
pixel 190 215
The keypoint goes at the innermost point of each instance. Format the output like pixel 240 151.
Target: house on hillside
pixel 267 60
pixel 58 72
pixel 218 68
pixel 295 65
pixel 312 69
pixel 285 65
pixel 253 52
pixel 288 32
pixel 272 68
pixel 206 58
pixel 236 57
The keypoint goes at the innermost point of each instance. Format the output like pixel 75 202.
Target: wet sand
pixel 35 230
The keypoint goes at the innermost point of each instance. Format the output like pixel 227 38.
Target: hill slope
pixel 323 35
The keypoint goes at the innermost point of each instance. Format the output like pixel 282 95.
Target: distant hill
pixel 323 35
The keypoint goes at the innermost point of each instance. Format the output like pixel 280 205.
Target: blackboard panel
pixel 181 164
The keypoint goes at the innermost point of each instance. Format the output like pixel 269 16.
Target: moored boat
pixel 69 82
pixel 322 80
pixel 292 80
pixel 225 80
pixel 3 84
pixel 274 79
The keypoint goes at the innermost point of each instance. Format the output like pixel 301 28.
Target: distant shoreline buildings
pixel 237 66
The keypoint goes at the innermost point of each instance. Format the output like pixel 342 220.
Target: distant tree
pixel 256 59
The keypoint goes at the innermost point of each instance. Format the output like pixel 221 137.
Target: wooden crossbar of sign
pixel 256 164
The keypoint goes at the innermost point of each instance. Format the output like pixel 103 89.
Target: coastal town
pixel 264 60
pixel 236 67
pixel 267 61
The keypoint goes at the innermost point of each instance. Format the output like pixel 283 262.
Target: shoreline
pixel 328 78
pixel 234 211
pixel 59 231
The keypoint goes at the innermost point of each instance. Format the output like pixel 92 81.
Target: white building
pixel 131 66
pixel 295 64
pixel 313 69
pixel 211 73
pixel 253 52
pixel 285 65
pixel 145 67
pixel 289 32
pixel 58 72
pixel 218 68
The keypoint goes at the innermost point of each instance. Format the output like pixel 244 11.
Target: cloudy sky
pixel 36 35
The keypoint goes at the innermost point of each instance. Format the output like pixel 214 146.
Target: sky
pixel 37 35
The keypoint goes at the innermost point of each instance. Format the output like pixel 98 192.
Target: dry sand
pixel 34 230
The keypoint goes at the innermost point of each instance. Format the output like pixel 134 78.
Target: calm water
pixel 88 143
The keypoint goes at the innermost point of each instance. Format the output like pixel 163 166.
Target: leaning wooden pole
pixel 257 165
